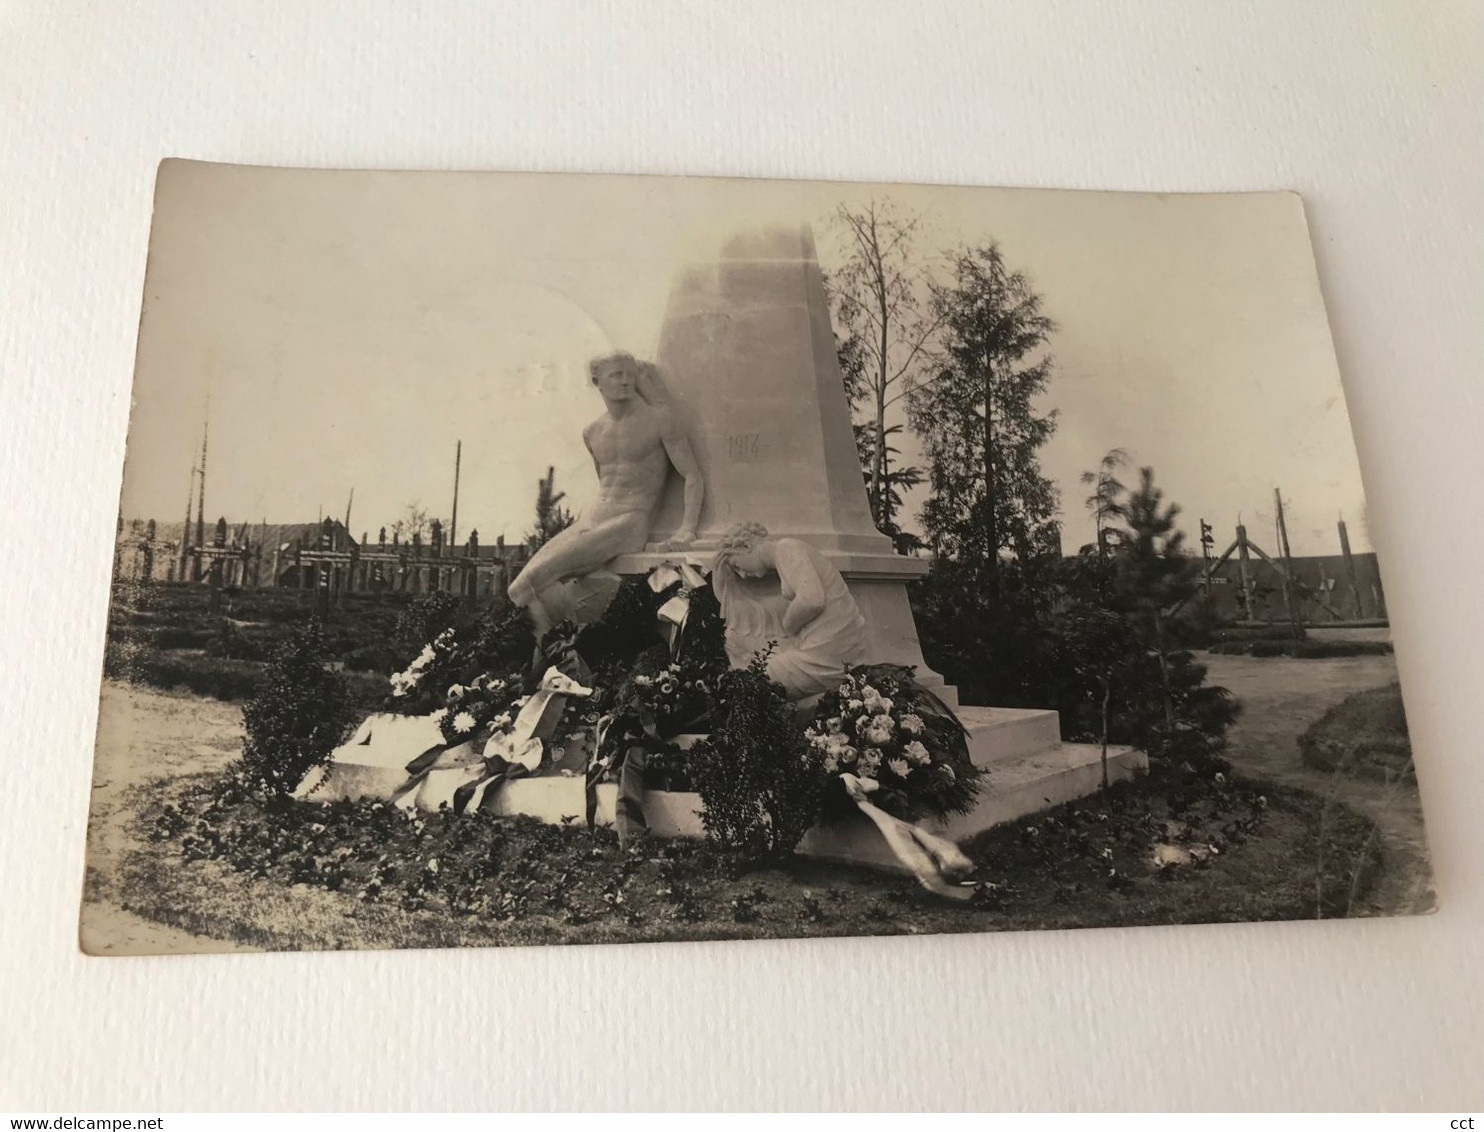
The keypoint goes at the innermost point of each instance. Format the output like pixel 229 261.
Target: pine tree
pixel 1106 501
pixel 551 517
pixel 1152 572
pixel 978 420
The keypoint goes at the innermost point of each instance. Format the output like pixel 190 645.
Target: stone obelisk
pixel 748 354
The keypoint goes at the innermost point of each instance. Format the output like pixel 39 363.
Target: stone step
pixel 1029 771
pixel 998 735
pixel 945 691
pixel 1016 787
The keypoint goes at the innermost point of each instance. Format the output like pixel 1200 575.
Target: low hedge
pixel 1309 649
pixel 1365 733
pixel 221 678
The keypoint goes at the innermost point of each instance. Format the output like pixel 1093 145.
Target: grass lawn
pixel 1283 700
pixel 171 870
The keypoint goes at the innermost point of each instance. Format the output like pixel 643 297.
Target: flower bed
pixel 229 866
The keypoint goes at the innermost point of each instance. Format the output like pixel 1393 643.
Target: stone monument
pixel 747 351
pixel 756 419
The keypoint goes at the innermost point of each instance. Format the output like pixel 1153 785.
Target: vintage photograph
pixel 535 558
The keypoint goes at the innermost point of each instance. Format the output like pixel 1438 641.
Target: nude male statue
pixel 633 446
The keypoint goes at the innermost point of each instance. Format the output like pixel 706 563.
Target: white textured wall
pixel 1372 111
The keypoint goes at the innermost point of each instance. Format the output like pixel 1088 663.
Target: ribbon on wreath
pixel 937 863
pixel 518 752
pixel 508 754
pixel 676 612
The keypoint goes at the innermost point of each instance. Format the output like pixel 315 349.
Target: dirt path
pixel 144 734
pixel 1281 697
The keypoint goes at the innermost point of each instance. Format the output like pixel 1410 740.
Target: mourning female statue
pixel 633 446
pixel 783 591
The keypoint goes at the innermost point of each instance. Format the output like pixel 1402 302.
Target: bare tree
pixel 414 521
pixel 882 303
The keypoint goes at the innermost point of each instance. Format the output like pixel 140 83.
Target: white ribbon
pixel 675 612
pixel 937 863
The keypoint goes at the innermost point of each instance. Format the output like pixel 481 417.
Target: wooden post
pixel 1205 563
pixel 185 529
pixel 201 506
pixel 1350 571
pixel 214 598
pixel 1244 572
pixel 453 522
pixel 1286 572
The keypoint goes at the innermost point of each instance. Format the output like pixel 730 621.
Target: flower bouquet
pixel 650 708
pixel 881 726
pixel 487 704
pixel 493 643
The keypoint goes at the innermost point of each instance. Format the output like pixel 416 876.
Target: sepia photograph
pixel 528 559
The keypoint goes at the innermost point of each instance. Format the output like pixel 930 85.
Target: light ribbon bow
pixel 518 751
pixel 937 863
pixel 675 612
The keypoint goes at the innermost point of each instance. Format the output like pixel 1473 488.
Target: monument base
pixel 877 581
pixel 1030 769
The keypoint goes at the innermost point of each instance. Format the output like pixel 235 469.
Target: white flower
pixel 898 767
pixel 917 754
pixel 501 721
pixel 463 722
pixel 870 761
pixel 877 736
pixel 456 693
pixel 404 682
pixel 854 705
pixel 883 705
pixel 912 724
pixel 883 721
pixel 846 755
pixel 643 681
pixel 834 725
pixel 830 764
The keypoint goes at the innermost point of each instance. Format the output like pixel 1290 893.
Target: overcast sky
pixel 344 329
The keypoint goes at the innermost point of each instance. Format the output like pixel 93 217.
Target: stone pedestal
pixel 1029 769
pixel 747 353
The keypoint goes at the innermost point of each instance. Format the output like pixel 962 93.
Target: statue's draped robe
pixel 813 661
